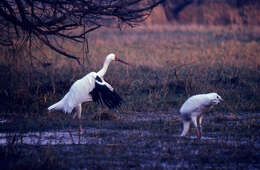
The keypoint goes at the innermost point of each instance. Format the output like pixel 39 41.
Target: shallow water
pixel 3 121
pixel 202 137
pixel 90 136
pixel 151 141
pixel 37 138
pixel 95 136
pixel 98 135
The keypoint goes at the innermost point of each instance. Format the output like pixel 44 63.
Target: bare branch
pixel 42 19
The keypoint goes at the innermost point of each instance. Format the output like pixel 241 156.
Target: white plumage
pixel 78 93
pixel 91 87
pixel 193 109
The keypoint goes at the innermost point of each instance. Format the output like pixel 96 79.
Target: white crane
pixel 91 87
pixel 193 109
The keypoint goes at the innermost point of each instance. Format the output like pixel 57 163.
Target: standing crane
pixel 91 87
pixel 193 109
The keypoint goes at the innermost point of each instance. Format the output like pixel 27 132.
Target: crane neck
pixel 103 71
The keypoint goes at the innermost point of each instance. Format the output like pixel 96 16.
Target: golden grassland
pixel 168 64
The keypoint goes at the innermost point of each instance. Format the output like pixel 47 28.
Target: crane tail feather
pixel 56 106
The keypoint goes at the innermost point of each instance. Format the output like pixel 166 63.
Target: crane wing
pixel 103 93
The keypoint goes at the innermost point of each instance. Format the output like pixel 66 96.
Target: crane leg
pixel 77 114
pixel 200 123
pixel 194 120
pixel 186 127
pixel 79 109
pixel 72 120
pixel 80 126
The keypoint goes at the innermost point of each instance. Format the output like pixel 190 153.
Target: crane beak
pixel 117 59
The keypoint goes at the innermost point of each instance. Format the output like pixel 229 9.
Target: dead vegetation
pixel 220 12
pixel 168 65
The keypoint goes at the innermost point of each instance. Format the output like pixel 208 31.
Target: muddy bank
pixel 141 141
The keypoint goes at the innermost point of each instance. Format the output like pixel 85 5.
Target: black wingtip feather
pixel 103 95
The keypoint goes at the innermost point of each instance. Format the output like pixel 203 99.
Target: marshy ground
pixel 168 64
pixel 136 140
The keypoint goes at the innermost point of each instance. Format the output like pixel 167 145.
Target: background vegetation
pixel 209 12
pixel 168 64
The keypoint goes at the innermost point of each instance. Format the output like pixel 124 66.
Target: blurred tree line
pixel 216 12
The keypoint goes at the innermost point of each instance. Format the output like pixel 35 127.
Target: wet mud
pixel 150 141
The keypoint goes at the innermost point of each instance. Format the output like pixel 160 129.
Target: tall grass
pixel 168 64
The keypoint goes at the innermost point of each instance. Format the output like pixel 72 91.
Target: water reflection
pixel 42 138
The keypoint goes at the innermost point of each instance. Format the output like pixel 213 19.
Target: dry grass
pixel 168 64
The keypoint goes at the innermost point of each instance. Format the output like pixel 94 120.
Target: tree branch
pixel 63 18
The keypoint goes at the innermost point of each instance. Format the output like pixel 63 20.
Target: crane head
pixel 215 98
pixel 112 56
pixel 117 59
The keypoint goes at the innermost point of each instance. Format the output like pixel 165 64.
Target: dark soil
pixel 139 141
